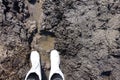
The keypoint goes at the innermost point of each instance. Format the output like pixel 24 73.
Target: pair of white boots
pixel 36 67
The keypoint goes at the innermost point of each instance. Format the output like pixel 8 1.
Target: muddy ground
pixel 86 32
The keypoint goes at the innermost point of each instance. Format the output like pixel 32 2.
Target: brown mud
pixel 86 32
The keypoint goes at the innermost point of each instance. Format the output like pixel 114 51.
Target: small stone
pixel 9 16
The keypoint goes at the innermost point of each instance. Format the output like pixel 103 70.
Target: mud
pixel 87 35
pixel 20 22
pixel 14 40
pixel 86 32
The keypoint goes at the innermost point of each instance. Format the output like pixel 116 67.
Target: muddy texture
pixel 20 22
pixel 87 35
pixel 15 40
pixel 86 32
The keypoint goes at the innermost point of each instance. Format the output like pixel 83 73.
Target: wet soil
pixel 19 35
pixel 86 32
pixel 87 35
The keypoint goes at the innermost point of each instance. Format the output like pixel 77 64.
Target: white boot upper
pixel 55 62
pixel 36 67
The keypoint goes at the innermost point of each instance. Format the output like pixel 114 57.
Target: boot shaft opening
pixel 56 77
pixel 33 76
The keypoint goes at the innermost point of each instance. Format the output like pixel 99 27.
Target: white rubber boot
pixel 36 67
pixel 55 62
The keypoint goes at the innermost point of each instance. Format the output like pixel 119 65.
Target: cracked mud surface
pixel 86 32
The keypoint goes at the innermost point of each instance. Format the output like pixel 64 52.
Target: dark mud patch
pixel 47 33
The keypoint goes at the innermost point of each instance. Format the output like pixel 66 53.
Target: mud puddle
pixel 45 43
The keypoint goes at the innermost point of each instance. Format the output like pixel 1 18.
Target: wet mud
pixel 87 35
pixel 86 32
